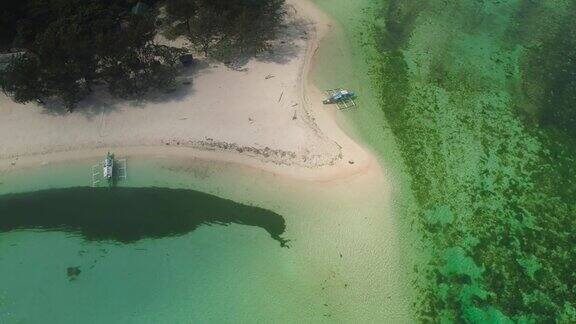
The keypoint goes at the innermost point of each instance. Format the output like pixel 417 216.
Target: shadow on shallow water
pixel 127 215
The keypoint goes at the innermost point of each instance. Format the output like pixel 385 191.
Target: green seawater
pixel 215 274
pixel 193 240
pixel 479 99
pixel 141 255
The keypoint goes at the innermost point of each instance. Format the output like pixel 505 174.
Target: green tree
pixel 80 43
pixel 228 26
pixel 182 10
pixel 21 79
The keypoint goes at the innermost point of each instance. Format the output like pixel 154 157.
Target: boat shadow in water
pixel 127 215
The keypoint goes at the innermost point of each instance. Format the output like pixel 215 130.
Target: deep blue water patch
pixel 127 215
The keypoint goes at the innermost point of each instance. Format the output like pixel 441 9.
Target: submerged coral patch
pixel 480 96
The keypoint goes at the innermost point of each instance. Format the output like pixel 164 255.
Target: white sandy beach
pixel 265 114
pixel 262 129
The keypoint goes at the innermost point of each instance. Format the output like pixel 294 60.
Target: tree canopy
pixel 80 43
pixel 71 45
pixel 223 28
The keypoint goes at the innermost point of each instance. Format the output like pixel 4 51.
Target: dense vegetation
pixel 223 28
pixel 480 95
pixel 69 46
pixel 72 45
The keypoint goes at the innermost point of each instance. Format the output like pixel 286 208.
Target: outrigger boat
pixel 109 170
pixel 343 98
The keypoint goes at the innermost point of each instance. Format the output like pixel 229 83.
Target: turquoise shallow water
pixel 342 263
pixel 174 261
pixel 215 274
pixel 140 255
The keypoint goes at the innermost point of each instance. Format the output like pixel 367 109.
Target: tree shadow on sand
pixel 287 46
pixel 100 101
